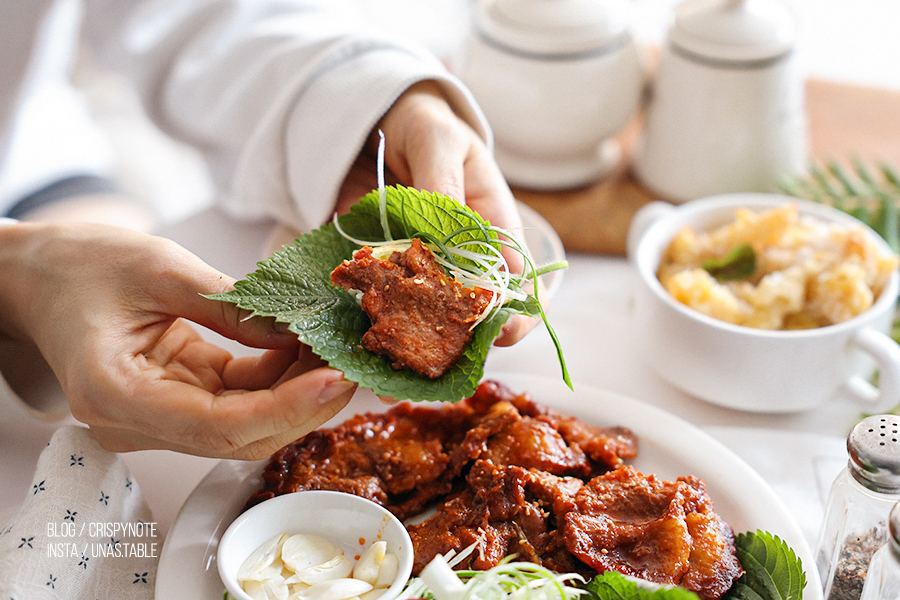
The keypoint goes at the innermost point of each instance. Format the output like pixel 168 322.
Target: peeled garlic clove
pixel 337 589
pixel 338 567
pixel 272 571
pixel 261 559
pixel 296 588
pixel 367 566
pixel 304 551
pixel 268 589
pixel 373 593
pixel 387 571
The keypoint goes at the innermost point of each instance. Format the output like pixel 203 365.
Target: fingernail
pixel 335 389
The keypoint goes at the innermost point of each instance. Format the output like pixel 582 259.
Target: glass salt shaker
pixel 861 498
pixel 883 578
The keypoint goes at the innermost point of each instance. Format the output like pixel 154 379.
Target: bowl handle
pixel 646 216
pixel 886 353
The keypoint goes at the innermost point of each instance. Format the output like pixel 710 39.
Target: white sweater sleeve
pixel 280 95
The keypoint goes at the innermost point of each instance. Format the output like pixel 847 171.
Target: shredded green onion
pixel 483 265
pixel 382 191
pixel 507 581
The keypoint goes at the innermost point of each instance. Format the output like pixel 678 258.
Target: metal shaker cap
pixel 874 448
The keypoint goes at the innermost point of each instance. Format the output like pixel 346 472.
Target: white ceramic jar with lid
pixel 728 108
pixel 557 80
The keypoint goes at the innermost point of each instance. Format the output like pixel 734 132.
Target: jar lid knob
pixel 733 30
pixel 554 26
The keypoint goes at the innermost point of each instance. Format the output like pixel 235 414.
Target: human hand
pixel 109 308
pixel 427 146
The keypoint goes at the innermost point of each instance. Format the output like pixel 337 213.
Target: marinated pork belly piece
pixel 505 437
pixel 421 318
pixel 505 510
pixel 666 532
pixel 605 446
pixel 397 459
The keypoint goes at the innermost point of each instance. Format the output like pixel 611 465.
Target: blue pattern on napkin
pixel 58 544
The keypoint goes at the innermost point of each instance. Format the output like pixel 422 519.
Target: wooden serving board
pixel 845 121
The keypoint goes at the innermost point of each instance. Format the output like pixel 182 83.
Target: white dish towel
pixel 84 530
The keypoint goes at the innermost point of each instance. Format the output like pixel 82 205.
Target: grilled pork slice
pixel 421 318
pixel 662 531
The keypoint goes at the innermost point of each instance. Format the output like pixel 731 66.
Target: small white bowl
pixel 349 522
pixel 751 369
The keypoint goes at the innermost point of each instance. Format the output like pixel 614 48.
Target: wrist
pixel 19 244
pixel 29 389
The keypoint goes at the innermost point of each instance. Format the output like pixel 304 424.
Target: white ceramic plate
pixel 669 447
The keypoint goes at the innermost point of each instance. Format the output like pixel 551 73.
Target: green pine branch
pixel 870 194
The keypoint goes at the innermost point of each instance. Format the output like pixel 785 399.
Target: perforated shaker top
pixel 874 448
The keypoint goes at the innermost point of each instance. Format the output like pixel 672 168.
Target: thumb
pixel 187 292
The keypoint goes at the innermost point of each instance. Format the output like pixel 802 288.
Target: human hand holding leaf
pixel 294 286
